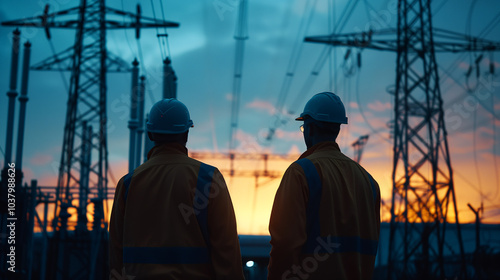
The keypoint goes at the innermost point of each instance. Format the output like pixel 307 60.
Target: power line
pixel 143 67
pixel 165 30
pixel 162 51
pixel 360 107
pixel 295 55
pixel 331 22
pixel 476 165
pixel 314 73
pixel 66 87
pixel 322 58
pixel 495 164
pixel 126 34
pixel 468 26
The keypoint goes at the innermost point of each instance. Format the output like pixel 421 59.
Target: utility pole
pixel 240 35
pixel 17 200
pixel 420 202
pixel 477 213
pixel 169 80
pixel 478 255
pixel 133 122
pixel 141 124
pixel 88 61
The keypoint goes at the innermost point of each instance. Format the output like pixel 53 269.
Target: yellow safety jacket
pixel 173 218
pixel 325 220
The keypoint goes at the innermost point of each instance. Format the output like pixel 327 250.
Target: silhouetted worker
pixel 173 217
pixel 325 220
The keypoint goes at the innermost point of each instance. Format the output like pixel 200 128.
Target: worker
pixel 172 216
pixel 325 220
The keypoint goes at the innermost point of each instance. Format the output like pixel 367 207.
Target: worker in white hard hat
pixel 172 216
pixel 325 220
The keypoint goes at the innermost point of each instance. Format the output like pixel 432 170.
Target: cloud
pixel 47 179
pixel 463 65
pixel 462 142
pixel 118 169
pixel 379 106
pixel 261 105
pixel 378 123
pixel 41 159
pixel 28 174
pixel 247 143
pixel 299 7
pixel 294 150
pixel 493 213
pixel 288 135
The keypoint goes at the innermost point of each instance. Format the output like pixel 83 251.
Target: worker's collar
pixel 168 148
pixel 326 145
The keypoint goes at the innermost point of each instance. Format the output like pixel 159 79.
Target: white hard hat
pixel 169 116
pixel 325 107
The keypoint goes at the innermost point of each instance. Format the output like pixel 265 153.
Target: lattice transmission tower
pixel 423 192
pixel 83 169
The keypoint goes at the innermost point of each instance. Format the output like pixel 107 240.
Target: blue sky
pixel 202 51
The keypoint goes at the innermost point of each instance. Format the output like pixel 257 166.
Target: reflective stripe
pixel 374 191
pixel 178 255
pixel 201 196
pixel 126 183
pixel 345 244
pixel 330 244
pixel 166 255
pixel 314 183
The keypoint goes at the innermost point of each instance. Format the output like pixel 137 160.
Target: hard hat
pixel 169 116
pixel 325 107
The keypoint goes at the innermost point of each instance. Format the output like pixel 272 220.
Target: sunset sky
pixel 202 53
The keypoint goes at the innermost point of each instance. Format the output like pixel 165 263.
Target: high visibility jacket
pixel 325 220
pixel 173 219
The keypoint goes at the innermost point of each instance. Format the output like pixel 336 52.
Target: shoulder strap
pixel 201 193
pixel 312 212
pixel 201 196
pixel 374 191
pixel 126 183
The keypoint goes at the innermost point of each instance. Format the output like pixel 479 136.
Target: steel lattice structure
pixel 358 147
pixel 84 158
pixel 420 148
pixel 423 189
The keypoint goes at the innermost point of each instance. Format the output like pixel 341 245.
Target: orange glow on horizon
pixel 253 196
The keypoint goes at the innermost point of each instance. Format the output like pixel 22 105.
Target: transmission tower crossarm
pixel 359 40
pixel 384 40
pixel 60 62
pixel 450 41
pixel 136 20
pixel 115 63
pixel 63 60
pixel 47 20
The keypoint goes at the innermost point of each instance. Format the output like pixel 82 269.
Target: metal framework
pixel 423 191
pixel 240 35
pixel 84 158
pixel 358 146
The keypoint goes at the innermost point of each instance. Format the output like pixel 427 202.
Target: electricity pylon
pixel 423 189
pixel 84 157
pixel 359 146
